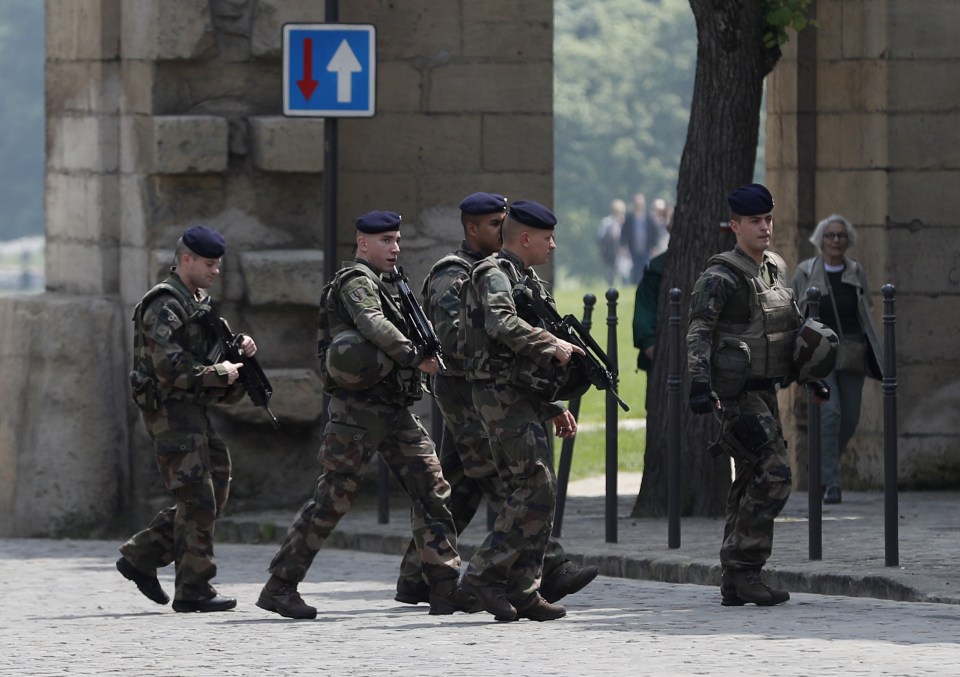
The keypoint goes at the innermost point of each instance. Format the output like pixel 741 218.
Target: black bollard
pixel 674 390
pixel 890 508
pixel 566 447
pixel 613 414
pixel 814 459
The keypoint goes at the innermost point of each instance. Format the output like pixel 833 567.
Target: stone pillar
pixel 886 87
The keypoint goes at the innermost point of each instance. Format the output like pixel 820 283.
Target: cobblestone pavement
pixel 66 611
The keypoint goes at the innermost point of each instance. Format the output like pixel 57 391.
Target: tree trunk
pixel 719 155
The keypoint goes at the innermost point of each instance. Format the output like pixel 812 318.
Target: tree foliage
pixel 623 81
pixel 21 118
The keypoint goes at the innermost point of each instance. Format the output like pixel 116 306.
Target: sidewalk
pixel 853 542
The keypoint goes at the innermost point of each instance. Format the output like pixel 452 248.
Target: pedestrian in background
pixel 845 307
pixel 507 358
pixel 372 372
pixel 173 384
pixel 613 255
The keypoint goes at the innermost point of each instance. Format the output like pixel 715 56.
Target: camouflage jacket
pixel 358 298
pixel 495 343
pixel 441 301
pixel 725 305
pixel 172 348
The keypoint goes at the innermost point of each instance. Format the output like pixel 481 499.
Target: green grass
pixel 589 454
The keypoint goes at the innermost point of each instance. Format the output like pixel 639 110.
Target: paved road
pixel 65 610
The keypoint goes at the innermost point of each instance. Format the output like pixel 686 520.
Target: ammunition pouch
pixel 552 382
pixel 731 366
pixel 745 439
pixel 146 392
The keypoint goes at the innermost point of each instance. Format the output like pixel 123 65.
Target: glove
pixel 819 389
pixel 702 399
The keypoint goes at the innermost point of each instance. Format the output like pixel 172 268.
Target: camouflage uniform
pixel 174 384
pixel 504 356
pixel 465 454
pixel 365 421
pixel 723 301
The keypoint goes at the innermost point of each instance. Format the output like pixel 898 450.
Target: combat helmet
pixel 814 351
pixel 354 363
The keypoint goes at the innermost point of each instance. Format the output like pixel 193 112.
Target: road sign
pixel 329 70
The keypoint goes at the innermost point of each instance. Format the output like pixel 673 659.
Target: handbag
pixel 851 353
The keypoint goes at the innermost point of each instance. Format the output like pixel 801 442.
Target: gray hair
pixel 817 238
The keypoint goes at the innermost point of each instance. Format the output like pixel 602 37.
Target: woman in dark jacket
pixel 846 307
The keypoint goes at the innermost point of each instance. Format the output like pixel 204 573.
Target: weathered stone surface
pixel 283 144
pixel 283 276
pixel 502 88
pixel 921 196
pixel 82 208
pixel 414 143
pixel 413 29
pixel 83 143
pixel 82 29
pixel 923 86
pixel 187 144
pixel 853 141
pixel 81 268
pixel 925 29
pixel 506 36
pixel 63 435
pixel 852 86
pixel 533 133
pixel 83 87
pixel 266 39
pixel 917 141
pixel 297 398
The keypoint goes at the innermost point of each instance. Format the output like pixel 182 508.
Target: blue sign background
pixel 326 39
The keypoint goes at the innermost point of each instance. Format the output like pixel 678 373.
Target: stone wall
pixel 164 113
pixel 862 120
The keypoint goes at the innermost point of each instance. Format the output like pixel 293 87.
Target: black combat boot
pixel 565 580
pixel 148 585
pixel 412 593
pixel 728 591
pixel 748 587
pixel 541 610
pixel 493 600
pixel 447 597
pixel 281 597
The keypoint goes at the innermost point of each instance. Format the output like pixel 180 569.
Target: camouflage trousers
pixel 761 485
pixel 356 430
pixel 513 552
pixel 195 465
pixel 468 467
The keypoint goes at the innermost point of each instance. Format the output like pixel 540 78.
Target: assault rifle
pixel 424 335
pixel 251 375
pixel 594 362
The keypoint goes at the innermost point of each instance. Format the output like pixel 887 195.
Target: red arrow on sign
pixel 307 85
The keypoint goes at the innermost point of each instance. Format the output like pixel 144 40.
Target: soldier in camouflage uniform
pixel 465 452
pixel 740 343
pixel 173 384
pixel 509 361
pixel 360 318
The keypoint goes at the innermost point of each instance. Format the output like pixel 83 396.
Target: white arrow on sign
pixel 344 63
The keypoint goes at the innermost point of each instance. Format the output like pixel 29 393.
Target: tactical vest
pixel 770 333
pixel 452 357
pixel 403 384
pixel 148 392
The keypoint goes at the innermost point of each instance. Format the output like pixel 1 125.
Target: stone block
pixel 133 210
pixel 926 326
pixel 188 144
pixel 925 29
pixel 412 143
pixel 919 141
pixel 361 191
pixel 412 29
pixel 863 33
pixel 782 88
pixel 506 37
pixel 283 144
pixel 184 30
pixel 283 276
pixel 519 11
pixel 217 87
pixel 533 133
pixel 862 140
pixel 135 278
pixel 928 197
pixel 81 268
pixel 82 29
pixel 852 86
pixel 83 143
pixel 923 86
pixel 399 87
pixel 137 87
pixel 829 29
pixel 861 192
pixel 266 38
pixel 82 87
pixel 492 88
pixel 448 188
pixel 297 398
pixel 82 208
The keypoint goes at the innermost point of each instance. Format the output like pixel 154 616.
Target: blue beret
pixel 205 242
pixel 750 200
pixel 532 214
pixel 378 222
pixel 483 203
